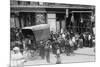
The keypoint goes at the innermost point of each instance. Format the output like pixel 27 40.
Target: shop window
pixel 14 21
pixel 40 18
pixel 79 23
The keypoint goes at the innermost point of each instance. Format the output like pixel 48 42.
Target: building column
pixel 66 16
pixel 51 20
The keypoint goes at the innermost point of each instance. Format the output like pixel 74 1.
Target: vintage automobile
pixel 35 34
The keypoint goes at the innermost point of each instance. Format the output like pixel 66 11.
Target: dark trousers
pixel 42 52
pixel 58 59
pixel 47 54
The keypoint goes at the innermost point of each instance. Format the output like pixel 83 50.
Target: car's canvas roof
pixel 37 27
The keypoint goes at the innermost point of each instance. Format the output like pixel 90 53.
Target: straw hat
pixel 16 48
pixel 41 42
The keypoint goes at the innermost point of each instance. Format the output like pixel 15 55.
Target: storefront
pixel 58 16
pixel 56 19
pixel 27 16
pixel 80 21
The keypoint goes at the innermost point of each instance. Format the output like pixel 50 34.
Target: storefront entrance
pixel 51 20
pixel 32 18
pixel 60 22
pixel 79 22
pixel 56 21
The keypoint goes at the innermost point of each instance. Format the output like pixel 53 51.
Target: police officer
pixel 42 50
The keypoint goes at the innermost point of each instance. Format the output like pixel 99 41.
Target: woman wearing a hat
pixel 16 57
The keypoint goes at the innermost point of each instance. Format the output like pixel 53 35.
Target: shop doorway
pixel 27 19
pixel 60 22
pixel 79 22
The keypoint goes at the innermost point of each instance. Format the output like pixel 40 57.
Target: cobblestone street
pixel 80 55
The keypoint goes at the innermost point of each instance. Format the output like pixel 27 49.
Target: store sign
pixel 51 15
pixel 41 3
pixel 40 18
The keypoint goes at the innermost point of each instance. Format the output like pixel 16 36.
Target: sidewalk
pixel 81 55
pixel 85 51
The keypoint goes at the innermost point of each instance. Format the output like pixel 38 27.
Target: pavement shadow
pixel 85 54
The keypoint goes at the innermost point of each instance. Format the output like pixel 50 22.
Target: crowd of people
pixel 57 44
pixel 66 43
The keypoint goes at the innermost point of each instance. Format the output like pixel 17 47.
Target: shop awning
pixel 81 11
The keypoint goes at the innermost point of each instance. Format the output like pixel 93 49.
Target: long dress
pixel 17 59
pixel 58 57
pixel 47 53
pixel 42 52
